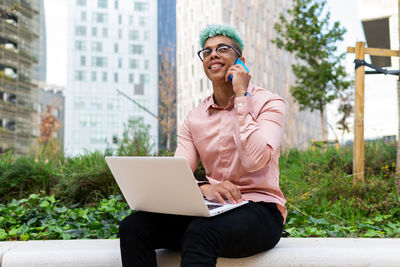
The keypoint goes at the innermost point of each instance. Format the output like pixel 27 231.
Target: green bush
pixel 321 198
pixel 24 175
pixel 86 179
pixel 38 218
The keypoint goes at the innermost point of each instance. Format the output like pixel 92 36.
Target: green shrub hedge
pixel 78 197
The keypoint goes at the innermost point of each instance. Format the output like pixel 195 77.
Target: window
pixel 144 78
pixel 120 63
pixel 83 16
pixel 94 76
pixel 141 6
pixel 80 45
pixel 146 64
pixel 116 4
pixel 136 49
pixel 80 30
pixel 115 48
pixel 142 21
pixel 79 103
pixel 139 89
pixel 80 75
pixel 115 77
pixel 130 20
pixel 133 63
pixel 100 17
pixel 94 31
pixel 98 138
pixel 146 35
pixel 84 120
pixel 131 76
pixel 104 76
pixel 113 104
pixel 133 35
pixel 83 61
pixel 120 33
pixel 105 32
pixel 102 3
pixel 95 103
pixel 97 47
pixel 99 61
pixel 81 2
pixel 119 19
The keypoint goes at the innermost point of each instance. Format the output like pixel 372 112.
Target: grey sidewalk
pixel 289 252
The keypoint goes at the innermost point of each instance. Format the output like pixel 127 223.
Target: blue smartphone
pixel 239 61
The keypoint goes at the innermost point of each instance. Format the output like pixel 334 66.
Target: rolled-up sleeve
pixel 257 138
pixel 186 147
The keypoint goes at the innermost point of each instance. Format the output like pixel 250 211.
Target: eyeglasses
pixel 221 50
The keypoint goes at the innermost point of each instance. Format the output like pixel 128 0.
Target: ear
pixel 243 59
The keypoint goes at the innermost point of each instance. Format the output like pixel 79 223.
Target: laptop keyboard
pixel 212 206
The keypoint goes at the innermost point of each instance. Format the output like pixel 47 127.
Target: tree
pixel 308 34
pixel 135 139
pixel 167 98
pixel 345 109
pixel 49 125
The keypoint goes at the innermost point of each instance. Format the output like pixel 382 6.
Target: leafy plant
pixel 42 217
pixel 320 77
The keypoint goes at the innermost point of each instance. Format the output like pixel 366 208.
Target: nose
pixel 214 54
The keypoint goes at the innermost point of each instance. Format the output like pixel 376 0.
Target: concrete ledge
pixel 289 252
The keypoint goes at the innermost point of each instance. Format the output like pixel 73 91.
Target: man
pixel 236 133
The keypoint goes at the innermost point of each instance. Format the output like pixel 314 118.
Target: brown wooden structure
pixel 358 147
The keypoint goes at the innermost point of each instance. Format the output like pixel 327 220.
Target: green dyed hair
pixel 212 30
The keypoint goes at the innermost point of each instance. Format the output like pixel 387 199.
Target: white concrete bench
pixel 289 252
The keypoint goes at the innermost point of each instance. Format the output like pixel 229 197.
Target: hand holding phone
pixel 239 61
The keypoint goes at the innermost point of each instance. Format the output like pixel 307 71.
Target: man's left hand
pixel 240 79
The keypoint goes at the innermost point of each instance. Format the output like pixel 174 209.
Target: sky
pixel 380 90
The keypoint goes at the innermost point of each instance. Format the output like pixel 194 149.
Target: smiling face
pixel 215 66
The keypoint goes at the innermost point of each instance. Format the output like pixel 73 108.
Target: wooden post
pixel 397 181
pixel 358 146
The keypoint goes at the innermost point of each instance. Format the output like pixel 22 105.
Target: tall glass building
pixel 112 46
pixel 19 53
pixel 167 52
pixel 270 67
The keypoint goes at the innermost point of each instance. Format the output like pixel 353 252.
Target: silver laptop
pixel 163 185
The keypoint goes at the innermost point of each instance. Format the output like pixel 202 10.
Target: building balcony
pixel 7 78
pixel 10 35
pixel 27 33
pixel 27 57
pixel 7 137
pixel 27 9
pixel 25 82
pixel 9 110
pixel 9 60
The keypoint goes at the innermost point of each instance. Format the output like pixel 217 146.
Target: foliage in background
pixel 24 174
pixel 135 140
pixel 305 31
pixel 167 98
pixel 43 217
pixel 321 198
pixel 323 202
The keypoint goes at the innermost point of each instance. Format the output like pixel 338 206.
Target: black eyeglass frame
pixel 220 45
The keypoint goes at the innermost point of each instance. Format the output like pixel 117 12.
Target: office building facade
pixel 19 53
pixel 111 47
pixel 270 67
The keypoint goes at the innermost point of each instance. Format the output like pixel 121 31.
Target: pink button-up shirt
pixel 239 142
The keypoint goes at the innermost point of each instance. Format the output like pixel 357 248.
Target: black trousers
pixel 241 232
